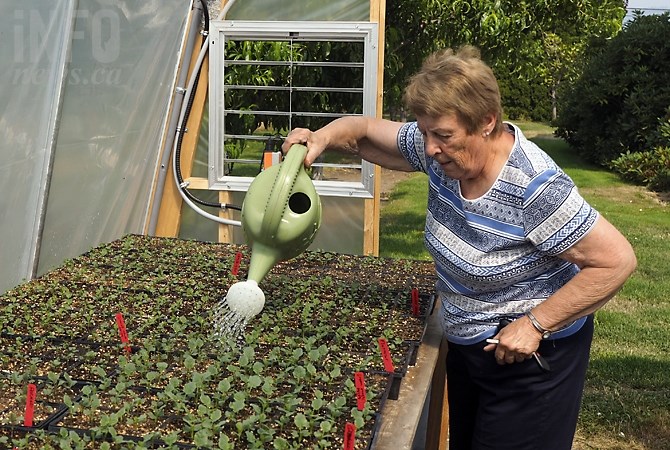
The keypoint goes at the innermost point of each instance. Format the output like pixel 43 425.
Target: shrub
pixel 661 137
pixel 613 108
pixel 651 168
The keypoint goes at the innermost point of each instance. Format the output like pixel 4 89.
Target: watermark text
pixel 99 31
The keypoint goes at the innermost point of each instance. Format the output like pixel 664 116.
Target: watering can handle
pixel 289 169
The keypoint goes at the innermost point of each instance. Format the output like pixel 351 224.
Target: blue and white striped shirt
pixel 496 256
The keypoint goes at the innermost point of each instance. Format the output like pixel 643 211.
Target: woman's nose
pixel 431 145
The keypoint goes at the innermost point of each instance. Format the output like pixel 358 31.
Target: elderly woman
pixel 523 261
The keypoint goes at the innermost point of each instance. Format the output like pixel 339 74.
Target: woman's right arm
pixel 374 140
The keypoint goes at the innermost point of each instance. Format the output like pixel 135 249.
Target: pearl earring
pixel 486 133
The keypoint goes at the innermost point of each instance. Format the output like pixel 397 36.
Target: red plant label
pixel 349 436
pixel 386 355
pixel 415 302
pixel 30 405
pixel 236 264
pixel 361 395
pixel 121 324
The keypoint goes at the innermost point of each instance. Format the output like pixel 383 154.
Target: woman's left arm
pixel 606 260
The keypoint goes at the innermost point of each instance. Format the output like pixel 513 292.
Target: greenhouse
pixel 134 133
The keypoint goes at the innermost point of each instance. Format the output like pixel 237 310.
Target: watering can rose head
pixel 245 299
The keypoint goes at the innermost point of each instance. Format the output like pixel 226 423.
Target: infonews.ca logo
pixel 96 32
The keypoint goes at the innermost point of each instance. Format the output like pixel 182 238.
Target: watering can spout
pixel 263 259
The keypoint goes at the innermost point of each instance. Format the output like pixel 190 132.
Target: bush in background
pixel 651 168
pixel 615 106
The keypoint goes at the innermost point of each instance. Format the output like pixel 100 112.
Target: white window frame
pixel 365 32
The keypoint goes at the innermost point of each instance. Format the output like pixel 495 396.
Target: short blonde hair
pixel 457 83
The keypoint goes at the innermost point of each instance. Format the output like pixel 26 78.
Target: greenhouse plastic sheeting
pixel 344 10
pixel 116 102
pixel 35 36
pixel 342 224
pixel 108 122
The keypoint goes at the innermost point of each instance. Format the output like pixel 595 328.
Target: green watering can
pixel 281 214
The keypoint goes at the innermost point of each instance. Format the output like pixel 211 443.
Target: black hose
pixel 205 11
pixel 182 127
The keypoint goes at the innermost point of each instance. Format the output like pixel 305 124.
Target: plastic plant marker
pixel 386 355
pixel 361 395
pixel 349 436
pixel 236 264
pixel 121 324
pixel 415 302
pixel 30 405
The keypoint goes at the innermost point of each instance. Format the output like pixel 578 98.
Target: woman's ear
pixel 489 125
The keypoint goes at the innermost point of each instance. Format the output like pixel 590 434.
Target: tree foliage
pixel 245 83
pixel 622 98
pixel 257 97
pixel 525 98
pixel 526 38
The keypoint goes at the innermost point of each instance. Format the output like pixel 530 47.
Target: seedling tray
pixel 289 379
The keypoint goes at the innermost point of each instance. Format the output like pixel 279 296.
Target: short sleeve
pixel 411 146
pixel 555 214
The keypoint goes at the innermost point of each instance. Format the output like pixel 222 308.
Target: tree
pixel 527 38
pixel 616 104
pixel 560 51
pixel 413 30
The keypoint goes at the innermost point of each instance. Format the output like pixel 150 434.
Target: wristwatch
pixel 546 334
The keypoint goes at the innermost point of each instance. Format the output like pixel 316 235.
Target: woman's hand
pixel 516 342
pixel 315 145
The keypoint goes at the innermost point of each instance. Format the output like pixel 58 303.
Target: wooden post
pixel 372 206
pixel 225 231
pixel 437 427
pixel 169 216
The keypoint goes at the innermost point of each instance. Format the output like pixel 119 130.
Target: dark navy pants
pixel 517 406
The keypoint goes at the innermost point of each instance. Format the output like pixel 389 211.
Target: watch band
pixel 546 334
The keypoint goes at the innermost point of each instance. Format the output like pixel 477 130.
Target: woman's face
pixel 460 155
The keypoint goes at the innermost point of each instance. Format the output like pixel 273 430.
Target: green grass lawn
pixel 627 396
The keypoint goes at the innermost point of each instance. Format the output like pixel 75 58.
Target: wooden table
pixel 424 382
